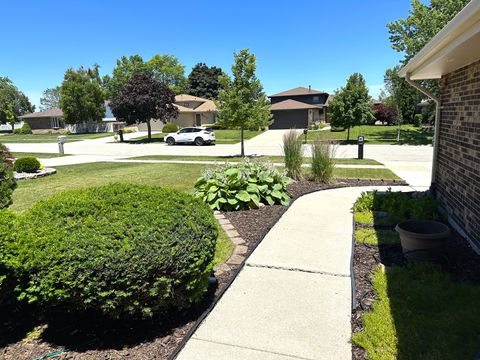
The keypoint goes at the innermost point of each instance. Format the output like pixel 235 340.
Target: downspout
pixel 437 124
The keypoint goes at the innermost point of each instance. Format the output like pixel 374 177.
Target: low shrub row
pixel 24 130
pixel 28 164
pixel 126 251
pixel 169 128
pixel 242 186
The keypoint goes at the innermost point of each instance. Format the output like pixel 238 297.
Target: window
pixel 316 99
pixel 54 123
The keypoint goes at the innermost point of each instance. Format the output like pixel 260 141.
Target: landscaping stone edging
pixel 39 173
pixel 240 250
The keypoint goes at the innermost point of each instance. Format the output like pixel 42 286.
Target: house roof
pixel 329 100
pixel 298 91
pixel 186 97
pixel 53 112
pixel 455 46
pixel 290 104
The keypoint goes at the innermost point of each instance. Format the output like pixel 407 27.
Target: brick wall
pixel 458 173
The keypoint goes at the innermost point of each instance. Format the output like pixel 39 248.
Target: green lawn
pixel 37 155
pixel 421 313
pixel 357 173
pixel 233 136
pixel 374 134
pixel 275 159
pixel 14 138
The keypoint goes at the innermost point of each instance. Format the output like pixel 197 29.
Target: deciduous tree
pixel 50 98
pixel 241 100
pixel 144 98
pixel 203 81
pixel 81 96
pixel 13 102
pixel 168 70
pixel 351 104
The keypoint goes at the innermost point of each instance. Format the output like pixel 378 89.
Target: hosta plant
pixel 243 186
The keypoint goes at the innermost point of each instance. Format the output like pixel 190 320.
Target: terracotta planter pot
pixel 422 239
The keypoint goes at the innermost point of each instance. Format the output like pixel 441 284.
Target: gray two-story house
pixel 298 108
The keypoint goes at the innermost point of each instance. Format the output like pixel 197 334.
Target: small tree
pixel 351 104
pixel 144 98
pixel 81 96
pixel 241 100
pixel 203 81
pixel 13 102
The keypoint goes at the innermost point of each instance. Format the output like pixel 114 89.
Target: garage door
pixel 289 119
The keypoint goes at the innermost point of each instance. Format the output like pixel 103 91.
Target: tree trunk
pixel 13 127
pixel 149 129
pixel 242 151
pixel 348 133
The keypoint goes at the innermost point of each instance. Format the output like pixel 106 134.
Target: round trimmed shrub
pixel 7 218
pixel 169 128
pixel 128 251
pixel 28 164
pixel 7 180
pixel 24 130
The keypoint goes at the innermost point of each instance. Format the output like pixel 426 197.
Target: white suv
pixel 196 135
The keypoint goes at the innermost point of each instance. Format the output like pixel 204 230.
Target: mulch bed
pixel 26 333
pixel 462 262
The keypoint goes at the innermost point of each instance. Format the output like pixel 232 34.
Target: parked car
pixel 195 135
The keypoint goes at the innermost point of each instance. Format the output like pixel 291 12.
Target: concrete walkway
pixel 292 300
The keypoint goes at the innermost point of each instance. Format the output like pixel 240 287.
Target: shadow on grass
pixel 144 141
pixel 83 331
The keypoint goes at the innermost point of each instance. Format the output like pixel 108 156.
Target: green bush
pixel 417 120
pixel 292 150
pixel 24 130
pixel 169 128
pixel 323 160
pixel 128 251
pixel 6 234
pixel 242 186
pixel 7 181
pixel 28 164
pixel 399 205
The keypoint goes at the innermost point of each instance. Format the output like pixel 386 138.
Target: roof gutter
pixel 437 123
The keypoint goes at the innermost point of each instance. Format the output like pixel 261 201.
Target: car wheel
pixel 199 141
pixel 170 141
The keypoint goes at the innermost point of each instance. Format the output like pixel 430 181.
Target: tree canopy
pixel 424 21
pixel 351 105
pixel 165 68
pixel 50 98
pixel 13 102
pixel 241 100
pixel 203 81
pixel 81 96
pixel 144 98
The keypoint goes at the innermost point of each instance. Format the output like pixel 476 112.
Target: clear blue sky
pixel 297 43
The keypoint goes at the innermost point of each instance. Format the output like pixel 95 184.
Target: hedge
pixel 128 251
pixel 28 164
pixel 7 181
pixel 7 218
pixel 24 130
pixel 169 128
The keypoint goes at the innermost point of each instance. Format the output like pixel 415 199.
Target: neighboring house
pixel 50 121
pixel 192 111
pixel 298 108
pixel 45 120
pixel 453 56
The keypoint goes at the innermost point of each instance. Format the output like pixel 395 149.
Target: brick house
pixel 298 108
pixel 453 57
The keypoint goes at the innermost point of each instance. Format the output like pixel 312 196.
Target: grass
pixel 376 134
pixel 421 313
pixel 37 155
pixel 224 247
pixel 376 237
pixel 358 173
pixel 275 159
pixel 49 138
